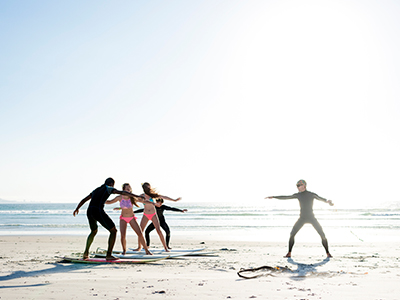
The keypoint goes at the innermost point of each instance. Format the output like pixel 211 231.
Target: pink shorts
pixel 149 216
pixel 127 219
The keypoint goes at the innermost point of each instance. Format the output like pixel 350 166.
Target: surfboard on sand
pixel 201 253
pixel 189 252
pixel 114 261
pixel 131 251
pixel 141 255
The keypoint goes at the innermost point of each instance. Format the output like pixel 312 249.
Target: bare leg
pixel 143 224
pixel 156 223
pixel 89 242
pixel 122 228
pixel 111 243
pixel 136 228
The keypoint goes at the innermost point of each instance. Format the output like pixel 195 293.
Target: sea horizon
pixel 213 221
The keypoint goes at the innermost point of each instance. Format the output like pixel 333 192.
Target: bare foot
pixel 149 253
pixel 137 249
pixel 329 255
pixel 124 252
pixel 85 256
pixel 110 257
pixel 166 250
pixel 288 255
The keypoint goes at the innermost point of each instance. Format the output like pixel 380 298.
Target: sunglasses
pixel 299 185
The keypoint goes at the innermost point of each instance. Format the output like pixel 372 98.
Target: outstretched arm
pixel 173 209
pixel 141 200
pixel 282 197
pixel 323 199
pixel 125 193
pixel 113 200
pixel 168 198
pixel 84 200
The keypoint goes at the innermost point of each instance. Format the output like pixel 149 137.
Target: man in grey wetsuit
pixel 306 201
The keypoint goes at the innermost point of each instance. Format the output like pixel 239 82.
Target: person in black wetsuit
pixel 306 201
pixel 160 208
pixel 95 213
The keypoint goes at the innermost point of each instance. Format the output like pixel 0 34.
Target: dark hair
pixel 149 191
pixel 109 181
pixel 161 200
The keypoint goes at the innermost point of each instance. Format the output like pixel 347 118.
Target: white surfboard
pixel 201 253
pixel 144 256
pixel 189 252
pixel 94 260
pixel 132 251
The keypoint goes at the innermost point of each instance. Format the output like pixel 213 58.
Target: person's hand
pixel 177 199
pixel 116 208
pixel 76 211
pixel 330 202
pixel 184 210
pixel 269 197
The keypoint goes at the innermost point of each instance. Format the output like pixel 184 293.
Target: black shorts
pixel 97 214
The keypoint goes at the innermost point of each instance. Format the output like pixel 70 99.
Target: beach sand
pixel 31 270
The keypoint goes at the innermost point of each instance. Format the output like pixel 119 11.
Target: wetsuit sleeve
pixel 294 196
pixel 110 189
pixel 320 198
pixel 171 208
pixel 138 211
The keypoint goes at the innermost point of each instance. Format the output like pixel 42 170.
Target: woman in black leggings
pixel 160 208
pixel 306 201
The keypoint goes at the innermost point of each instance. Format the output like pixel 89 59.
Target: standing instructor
pixel 95 213
pixel 306 201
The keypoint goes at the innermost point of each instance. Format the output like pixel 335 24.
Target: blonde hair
pixel 149 191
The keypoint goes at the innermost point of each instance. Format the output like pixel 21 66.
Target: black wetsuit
pixel 163 224
pixel 306 201
pixel 95 212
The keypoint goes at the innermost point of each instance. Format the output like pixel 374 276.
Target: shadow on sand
pixel 306 270
pixel 57 268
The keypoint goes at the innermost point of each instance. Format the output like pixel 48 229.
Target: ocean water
pixel 219 222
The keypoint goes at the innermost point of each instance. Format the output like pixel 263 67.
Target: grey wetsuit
pixel 306 201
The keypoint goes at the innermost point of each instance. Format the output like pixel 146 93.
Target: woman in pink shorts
pixel 127 216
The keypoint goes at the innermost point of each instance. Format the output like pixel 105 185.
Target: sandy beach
pixel 30 269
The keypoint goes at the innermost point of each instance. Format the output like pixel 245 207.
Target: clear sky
pixel 208 100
